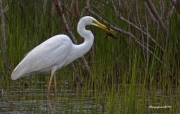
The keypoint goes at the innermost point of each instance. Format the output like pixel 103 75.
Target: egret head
pixel 88 20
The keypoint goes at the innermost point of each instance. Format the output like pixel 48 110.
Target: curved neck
pixel 81 49
pixel 88 40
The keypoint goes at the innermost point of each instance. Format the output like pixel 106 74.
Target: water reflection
pixel 28 100
pixel 35 100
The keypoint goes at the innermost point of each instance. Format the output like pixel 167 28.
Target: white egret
pixel 57 51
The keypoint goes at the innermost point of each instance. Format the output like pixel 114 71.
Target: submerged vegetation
pixel 136 73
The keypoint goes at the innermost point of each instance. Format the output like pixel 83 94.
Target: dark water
pixel 32 100
pixel 35 100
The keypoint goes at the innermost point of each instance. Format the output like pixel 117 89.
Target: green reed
pixel 123 80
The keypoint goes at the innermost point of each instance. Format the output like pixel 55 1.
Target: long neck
pixel 81 49
pixel 88 40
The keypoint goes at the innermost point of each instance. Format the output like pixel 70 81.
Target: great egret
pixel 57 51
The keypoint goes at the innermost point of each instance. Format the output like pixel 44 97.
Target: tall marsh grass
pixel 125 79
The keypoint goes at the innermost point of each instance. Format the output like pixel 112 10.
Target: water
pixel 44 106
pixel 35 100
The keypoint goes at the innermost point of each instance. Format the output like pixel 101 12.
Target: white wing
pixel 42 58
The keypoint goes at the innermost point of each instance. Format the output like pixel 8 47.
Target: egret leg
pixel 55 89
pixel 52 74
pixel 49 86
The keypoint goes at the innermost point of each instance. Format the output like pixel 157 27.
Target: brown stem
pixel 176 4
pixel 157 17
pixel 4 39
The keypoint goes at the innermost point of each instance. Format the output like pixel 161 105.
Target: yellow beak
pixel 104 27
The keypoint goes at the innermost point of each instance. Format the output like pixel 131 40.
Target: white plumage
pixel 57 51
